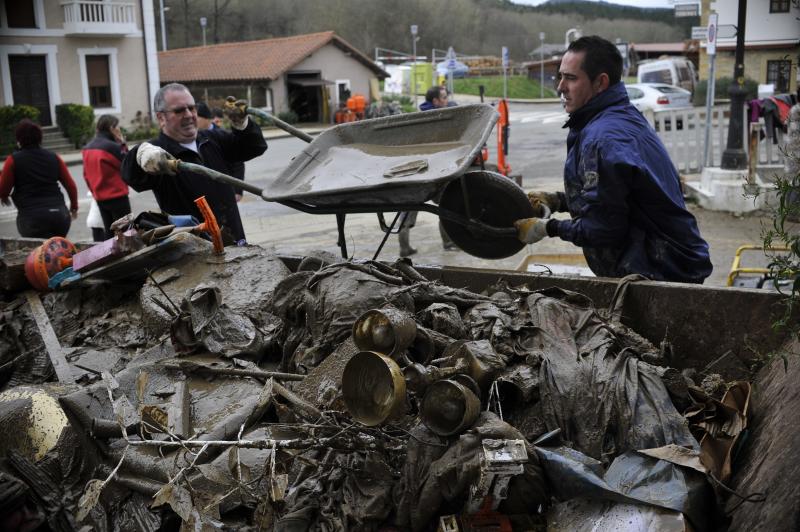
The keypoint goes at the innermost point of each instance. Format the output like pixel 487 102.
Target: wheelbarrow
pixel 411 162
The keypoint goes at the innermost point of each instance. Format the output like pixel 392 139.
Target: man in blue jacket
pixel 621 189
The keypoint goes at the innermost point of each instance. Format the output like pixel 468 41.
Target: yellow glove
pixel 531 230
pixel 544 203
pixel 236 111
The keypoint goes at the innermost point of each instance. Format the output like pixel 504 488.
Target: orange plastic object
pixel 209 224
pixel 502 141
pixel 51 257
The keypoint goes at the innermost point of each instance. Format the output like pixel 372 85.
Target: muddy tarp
pixel 632 478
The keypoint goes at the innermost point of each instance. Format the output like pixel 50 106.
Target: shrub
pixel 290 117
pixel 76 122
pixel 406 103
pixel 10 115
pixel 721 90
pixel 142 128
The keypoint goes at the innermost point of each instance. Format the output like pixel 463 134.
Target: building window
pixel 778 6
pixel 20 14
pixel 778 75
pixel 99 80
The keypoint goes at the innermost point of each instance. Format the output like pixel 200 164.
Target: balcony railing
pixel 92 18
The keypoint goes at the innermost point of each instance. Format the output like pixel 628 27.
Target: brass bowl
pixel 373 387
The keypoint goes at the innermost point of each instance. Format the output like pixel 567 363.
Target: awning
pixel 305 82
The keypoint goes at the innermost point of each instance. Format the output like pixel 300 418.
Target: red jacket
pixel 102 159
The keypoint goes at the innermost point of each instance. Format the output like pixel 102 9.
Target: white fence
pixel 686 142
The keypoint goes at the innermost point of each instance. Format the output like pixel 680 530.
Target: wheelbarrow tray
pixel 393 160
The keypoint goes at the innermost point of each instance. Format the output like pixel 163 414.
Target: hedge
pixel 721 90
pixel 10 116
pixel 76 122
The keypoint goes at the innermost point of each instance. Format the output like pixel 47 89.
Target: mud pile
pixel 234 394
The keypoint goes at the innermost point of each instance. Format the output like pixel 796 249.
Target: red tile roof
pixel 264 59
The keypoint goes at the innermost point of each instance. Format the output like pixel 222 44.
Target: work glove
pixel 236 111
pixel 531 230
pixel 154 160
pixel 544 203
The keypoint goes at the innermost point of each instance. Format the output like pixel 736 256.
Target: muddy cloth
pixel 604 399
pixel 631 478
pixel 325 305
pixel 437 475
pixel 340 492
pixel 206 324
pixel 624 196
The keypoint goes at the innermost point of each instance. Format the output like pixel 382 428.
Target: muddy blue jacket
pixel 624 197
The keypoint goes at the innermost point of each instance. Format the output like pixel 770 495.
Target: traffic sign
pixel 711 47
pixel 699 33
pixel 451 59
pixel 505 56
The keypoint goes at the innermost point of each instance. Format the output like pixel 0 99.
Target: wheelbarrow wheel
pixel 494 200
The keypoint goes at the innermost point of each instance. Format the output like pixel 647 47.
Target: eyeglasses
pixel 181 110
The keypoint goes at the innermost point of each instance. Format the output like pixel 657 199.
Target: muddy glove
pixel 531 230
pixel 154 160
pixel 236 111
pixel 545 203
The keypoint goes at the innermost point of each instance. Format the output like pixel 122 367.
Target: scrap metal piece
pixel 373 388
pixel 500 462
pixel 49 338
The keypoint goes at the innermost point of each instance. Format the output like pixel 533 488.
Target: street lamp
pixel 203 22
pixel 414 68
pixel 162 10
pixel 734 156
pixel 541 64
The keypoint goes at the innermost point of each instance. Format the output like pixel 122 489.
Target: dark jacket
pixel 624 196
pixel 176 194
pixel 34 174
pixel 102 159
pixel 426 106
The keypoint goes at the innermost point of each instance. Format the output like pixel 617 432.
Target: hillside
pixel 470 26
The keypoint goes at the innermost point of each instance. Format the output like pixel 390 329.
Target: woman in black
pixel 31 176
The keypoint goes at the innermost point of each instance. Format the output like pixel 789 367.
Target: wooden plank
pixel 49 338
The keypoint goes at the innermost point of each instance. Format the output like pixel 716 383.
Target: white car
pixel 659 97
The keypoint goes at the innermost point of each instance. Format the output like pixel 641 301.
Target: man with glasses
pixel 145 167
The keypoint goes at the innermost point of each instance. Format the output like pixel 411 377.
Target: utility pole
pixel 541 65
pixel 734 156
pixel 163 25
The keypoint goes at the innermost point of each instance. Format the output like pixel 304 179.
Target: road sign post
pixel 711 50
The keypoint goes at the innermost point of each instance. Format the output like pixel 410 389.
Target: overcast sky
pixel 637 3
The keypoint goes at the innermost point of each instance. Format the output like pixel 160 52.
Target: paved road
pixel 537 150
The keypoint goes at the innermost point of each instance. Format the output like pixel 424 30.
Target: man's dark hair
pixel 433 93
pixel 203 110
pixel 600 56
pixel 216 112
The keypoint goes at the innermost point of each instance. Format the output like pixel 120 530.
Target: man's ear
pixel 601 83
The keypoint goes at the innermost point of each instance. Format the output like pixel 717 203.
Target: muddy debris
pixel 209 395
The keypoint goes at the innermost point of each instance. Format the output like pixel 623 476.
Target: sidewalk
pixel 74 158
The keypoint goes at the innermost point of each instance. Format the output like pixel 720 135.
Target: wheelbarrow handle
pixel 177 165
pixel 280 123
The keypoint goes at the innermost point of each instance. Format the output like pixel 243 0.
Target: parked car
pixel 459 72
pixel 677 71
pixel 659 97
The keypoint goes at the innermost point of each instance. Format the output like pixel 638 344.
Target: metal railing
pixel 92 12
pixel 683 134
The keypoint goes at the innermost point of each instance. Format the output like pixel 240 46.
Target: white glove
pixel 153 159
pixel 531 230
